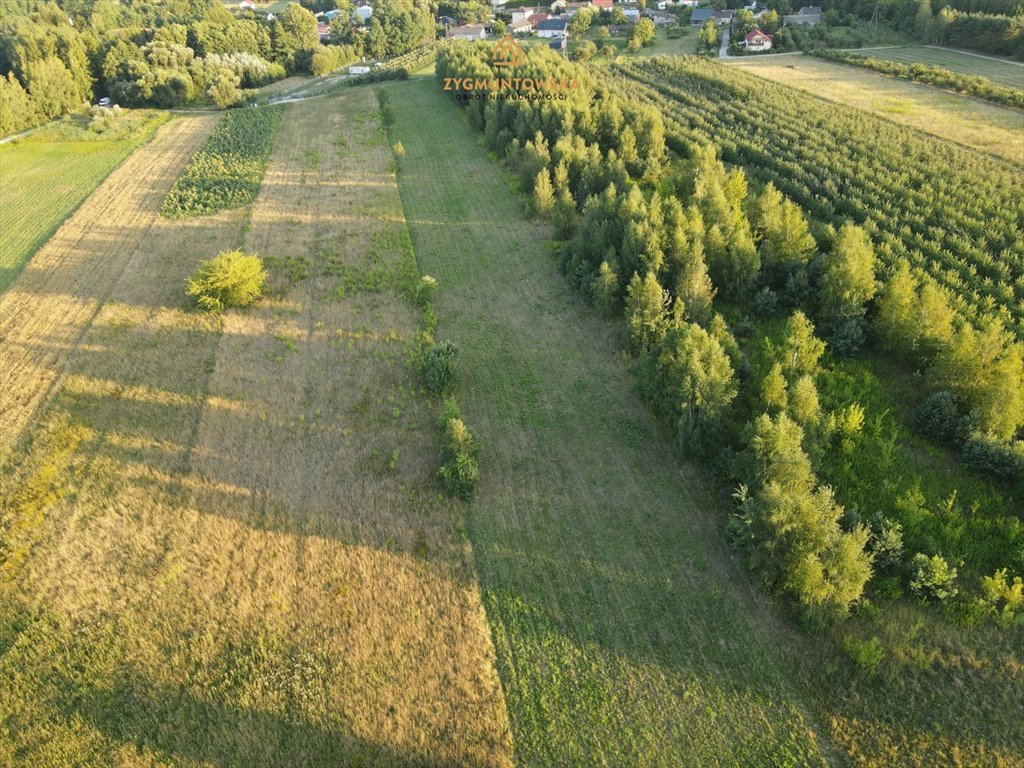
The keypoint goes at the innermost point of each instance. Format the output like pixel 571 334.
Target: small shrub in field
pixel 230 279
pixel 989 455
pixel 932 578
pixel 1003 598
pixel 439 367
pixel 866 654
pixel 425 290
pixel 939 417
pixel 459 468
pixel 399 153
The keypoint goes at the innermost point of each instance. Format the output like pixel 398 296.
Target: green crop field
pixel 1002 71
pixel 625 633
pixel 47 175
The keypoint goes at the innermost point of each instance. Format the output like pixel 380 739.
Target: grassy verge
pixel 46 176
pixel 625 633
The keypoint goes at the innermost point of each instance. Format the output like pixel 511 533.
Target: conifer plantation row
pixel 758 308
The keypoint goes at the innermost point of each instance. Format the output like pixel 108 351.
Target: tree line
pixel 677 253
pixel 55 58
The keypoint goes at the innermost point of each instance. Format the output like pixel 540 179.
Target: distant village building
pixel 359 70
pixel 756 40
pixel 247 5
pixel 723 17
pixel 468 32
pixel 809 15
pixel 520 28
pixel 364 12
pixel 522 14
pixel 537 18
pixel 551 28
pixel 323 30
pixel 633 14
pixel 601 5
pixel 700 16
pixel 558 44
pixel 661 19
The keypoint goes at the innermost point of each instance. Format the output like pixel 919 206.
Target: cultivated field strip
pixel 45 312
pixel 227 541
pixel 328 442
pixel 625 634
pixel 951 116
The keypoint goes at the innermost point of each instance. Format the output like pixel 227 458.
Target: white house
pixel 522 14
pixel 361 70
pixel 468 32
pixel 364 12
pixel 247 5
pixel 551 28
pixel 756 40
pixel 633 14
pixel 520 28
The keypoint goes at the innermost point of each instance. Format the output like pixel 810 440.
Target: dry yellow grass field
pixel 44 314
pixel 973 123
pixel 229 546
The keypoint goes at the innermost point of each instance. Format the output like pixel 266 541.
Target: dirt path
pixel 44 314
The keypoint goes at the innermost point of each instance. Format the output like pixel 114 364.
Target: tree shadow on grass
pixel 173 725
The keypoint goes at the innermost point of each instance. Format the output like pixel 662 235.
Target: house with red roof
pixel 756 40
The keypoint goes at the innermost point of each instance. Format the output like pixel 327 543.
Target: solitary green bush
pixel 933 578
pixel 230 279
pixel 866 654
pixel 425 290
pixel 439 367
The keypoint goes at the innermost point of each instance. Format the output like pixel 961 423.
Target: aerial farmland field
pixel 533 410
pixel 973 123
pixel 225 496
pixel 46 176
pixel 997 69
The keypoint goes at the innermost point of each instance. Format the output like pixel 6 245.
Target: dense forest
pixel 754 322
pixel 55 57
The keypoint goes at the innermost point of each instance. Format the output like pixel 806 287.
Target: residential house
pixel 601 5
pixel 558 44
pixel 520 28
pixel 723 17
pixel 756 40
pixel 809 15
pixel 567 8
pixel 323 30
pixel 498 3
pixel 633 14
pixel 468 32
pixel 700 16
pixel 537 18
pixel 551 28
pixel 522 14
pixel 661 19
pixel 364 12
pixel 247 5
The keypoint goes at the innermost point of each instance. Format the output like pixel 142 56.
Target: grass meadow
pixel 625 632
pixel 45 176
pixel 970 122
pixel 1003 71
pixel 224 542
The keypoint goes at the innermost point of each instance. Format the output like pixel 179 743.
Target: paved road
pixel 723 51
